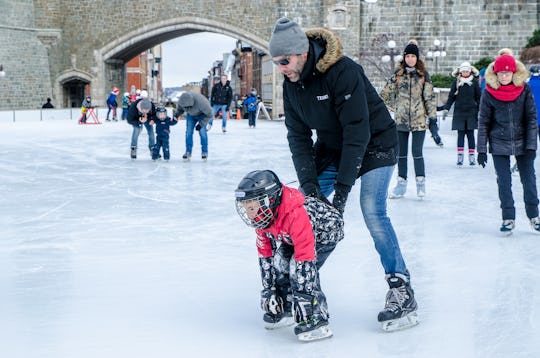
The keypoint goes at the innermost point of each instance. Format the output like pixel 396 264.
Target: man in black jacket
pixel 140 113
pixel 356 137
pixel 220 99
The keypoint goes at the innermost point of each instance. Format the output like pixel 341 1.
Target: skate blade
pixel 393 196
pixel 284 322
pixel 409 320
pixel 319 333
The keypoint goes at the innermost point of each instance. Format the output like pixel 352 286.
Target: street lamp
pixel 2 73
pixel 435 52
pixel 391 55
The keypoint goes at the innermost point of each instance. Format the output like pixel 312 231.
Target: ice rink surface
pixel 104 256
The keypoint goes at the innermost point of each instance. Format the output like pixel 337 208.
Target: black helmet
pixel 257 196
pixel 159 110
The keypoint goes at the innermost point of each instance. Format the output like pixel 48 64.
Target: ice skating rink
pixel 104 256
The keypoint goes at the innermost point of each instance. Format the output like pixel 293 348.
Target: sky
pixel 189 58
pixel 105 256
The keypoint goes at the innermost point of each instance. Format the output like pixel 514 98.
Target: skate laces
pixel 395 298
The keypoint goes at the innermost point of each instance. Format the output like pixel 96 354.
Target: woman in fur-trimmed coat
pixel 507 121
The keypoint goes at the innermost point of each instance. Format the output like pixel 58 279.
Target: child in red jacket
pixel 295 236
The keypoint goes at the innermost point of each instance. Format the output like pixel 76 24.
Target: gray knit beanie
pixel 186 100
pixel 146 105
pixel 288 38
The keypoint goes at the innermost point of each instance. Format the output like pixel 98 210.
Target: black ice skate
pixel 186 156
pixel 133 152
pixel 400 308
pixel 275 321
pixel 507 227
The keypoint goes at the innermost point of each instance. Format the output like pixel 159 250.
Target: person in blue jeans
pixel 141 112
pixel 198 114
pixel 221 97
pixel 356 137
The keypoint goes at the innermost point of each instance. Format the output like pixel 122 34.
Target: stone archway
pixel 69 88
pixel 110 59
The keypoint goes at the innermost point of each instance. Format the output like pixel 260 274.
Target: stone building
pixel 49 44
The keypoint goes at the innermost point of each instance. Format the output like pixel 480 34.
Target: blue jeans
pixel 191 122
pixel 373 194
pixel 223 107
pixel 137 130
pixel 525 164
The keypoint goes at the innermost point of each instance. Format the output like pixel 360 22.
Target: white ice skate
pixel 285 321
pixel 421 187
pixel 507 227
pixel 316 334
pixel 407 321
pixel 400 189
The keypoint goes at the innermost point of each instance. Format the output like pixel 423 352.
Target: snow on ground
pixel 104 256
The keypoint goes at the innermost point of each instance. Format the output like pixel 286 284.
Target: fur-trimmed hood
pixel 519 78
pixel 474 72
pixel 332 43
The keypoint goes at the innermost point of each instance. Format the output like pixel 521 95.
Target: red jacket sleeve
pixel 301 233
pixel 264 245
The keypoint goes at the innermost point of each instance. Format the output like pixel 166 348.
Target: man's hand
pixel 482 159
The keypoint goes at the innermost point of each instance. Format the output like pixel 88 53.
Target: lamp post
pixel 2 73
pixel 435 52
pixel 391 55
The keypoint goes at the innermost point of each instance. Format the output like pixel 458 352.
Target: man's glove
pixel 340 198
pixel 198 127
pixel 482 159
pixel 271 302
pixel 313 190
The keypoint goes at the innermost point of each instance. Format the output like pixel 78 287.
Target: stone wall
pixel 47 41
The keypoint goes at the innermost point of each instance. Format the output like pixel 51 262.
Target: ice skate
pixel 272 321
pixel 421 187
pixel 186 156
pixel 204 156
pixel 437 139
pixel 472 159
pixel 459 159
pixel 133 152
pixel 313 330
pixel 224 130
pixel 400 189
pixel 400 308
pixel 535 224
pixel 508 226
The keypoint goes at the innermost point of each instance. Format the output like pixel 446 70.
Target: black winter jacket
pixel 221 95
pixel 466 102
pixel 134 115
pixel 333 96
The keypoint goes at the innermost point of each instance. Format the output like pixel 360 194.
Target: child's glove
pixel 198 127
pixel 271 302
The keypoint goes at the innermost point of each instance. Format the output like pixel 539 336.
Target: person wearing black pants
pixel 507 120
pixel 416 149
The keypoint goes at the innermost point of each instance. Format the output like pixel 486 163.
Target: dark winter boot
pixel 400 307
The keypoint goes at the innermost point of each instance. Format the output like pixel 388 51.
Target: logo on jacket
pixel 323 97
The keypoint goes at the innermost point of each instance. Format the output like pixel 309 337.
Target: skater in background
pixel 48 104
pixel 112 104
pixel 86 105
pixel 465 96
pixel 356 137
pixel 508 122
pixel 141 113
pixel 198 114
pixel 295 236
pixel 409 94
pixel 220 100
pixel 163 124
pixel 251 103
pixel 125 105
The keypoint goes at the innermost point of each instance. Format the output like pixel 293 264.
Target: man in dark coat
pixel 356 137
pixel 140 113
pixel 220 99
